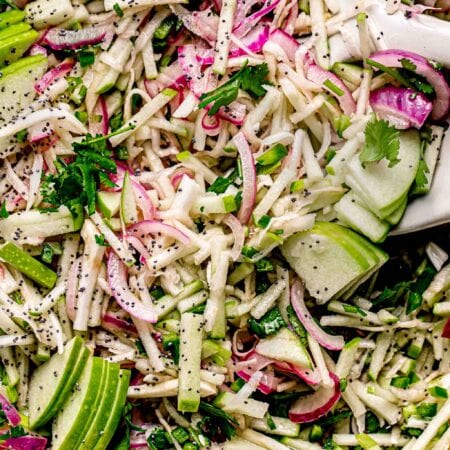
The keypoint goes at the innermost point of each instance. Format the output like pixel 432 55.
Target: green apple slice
pixel 98 423
pixel 52 381
pixel 128 208
pixel 397 215
pixel 115 413
pixel 330 259
pixel 12 48
pixel 381 186
pixel 32 227
pixel 360 219
pixel 11 17
pixel 323 263
pixel 108 203
pixel 29 266
pixel 284 346
pixel 13 30
pixel 102 385
pixel 76 410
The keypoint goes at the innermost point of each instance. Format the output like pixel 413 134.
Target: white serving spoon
pixel 421 34
pixel 433 208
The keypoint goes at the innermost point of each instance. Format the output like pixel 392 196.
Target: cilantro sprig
pixel 382 141
pixel 76 182
pixel 249 78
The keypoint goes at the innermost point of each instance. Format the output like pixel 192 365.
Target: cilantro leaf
pixel 216 423
pixel 421 176
pixel 408 64
pixel 381 142
pixel 250 79
pixel 76 182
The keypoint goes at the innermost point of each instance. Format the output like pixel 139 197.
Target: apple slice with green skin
pixel 32 227
pixel 72 417
pixel 98 423
pixel 329 258
pixel 102 386
pixel 12 48
pixel 108 203
pixel 11 17
pixel 51 382
pixel 284 346
pixel 29 266
pixel 397 215
pixel 128 207
pixel 115 413
pixel 380 186
pixel 14 30
pixel 360 219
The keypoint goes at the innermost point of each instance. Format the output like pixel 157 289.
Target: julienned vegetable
pixel 191 209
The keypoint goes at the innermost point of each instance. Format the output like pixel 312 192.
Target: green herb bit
pixel 249 78
pixel 118 9
pixel 21 136
pixel 382 141
pixel 3 211
pixel 86 58
pixel 47 254
pixel 269 324
pixel 333 88
pixel 272 156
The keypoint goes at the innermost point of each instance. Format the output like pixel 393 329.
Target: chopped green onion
pixel 333 88
pixel 438 392
pixel 118 9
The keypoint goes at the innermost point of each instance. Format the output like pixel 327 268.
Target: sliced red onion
pixel 202 23
pixel 446 330
pixel 254 41
pixel 237 343
pixel 117 279
pixel 210 122
pixel 105 116
pixel 53 74
pixel 309 376
pixel 111 322
pixel 238 234
pixel 286 42
pixel 323 338
pixel 178 174
pixel 137 244
pixel 255 362
pixel 37 49
pixel 394 58
pixel 267 384
pixel 38 132
pixel 249 22
pixel 11 413
pixel 320 76
pixel 404 108
pixel 143 200
pixel 249 178
pixel 243 7
pixel 311 407
pixel 60 39
pixel 25 443
pixel 156 227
